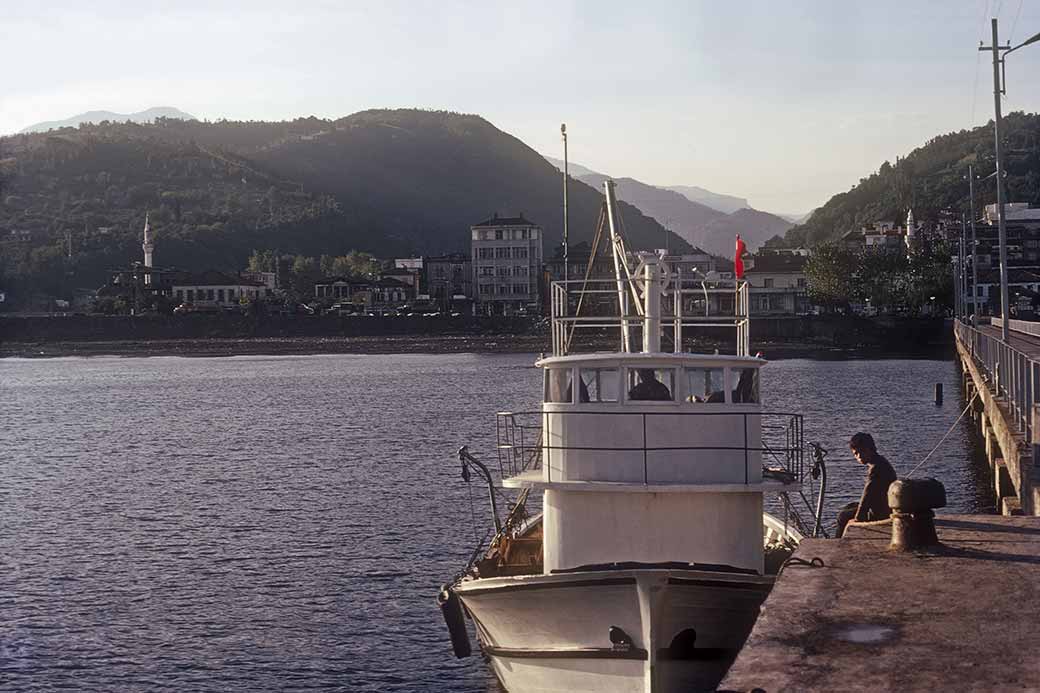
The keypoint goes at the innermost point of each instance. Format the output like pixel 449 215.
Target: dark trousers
pixel 845 516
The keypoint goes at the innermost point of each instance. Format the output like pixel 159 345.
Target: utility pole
pixel 998 90
pixel 962 281
pixel 998 62
pixel 566 240
pixel 974 248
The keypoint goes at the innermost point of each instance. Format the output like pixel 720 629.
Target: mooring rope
pixel 947 435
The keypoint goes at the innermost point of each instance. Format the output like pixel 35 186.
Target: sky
pixel 784 102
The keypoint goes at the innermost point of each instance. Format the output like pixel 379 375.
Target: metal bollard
pixel 913 518
pixel 938 394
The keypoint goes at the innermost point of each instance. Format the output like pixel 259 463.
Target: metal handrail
pixel 516 455
pixel 1013 375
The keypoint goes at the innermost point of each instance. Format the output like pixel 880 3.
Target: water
pixel 251 523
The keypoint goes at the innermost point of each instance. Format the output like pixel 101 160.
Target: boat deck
pixel 960 618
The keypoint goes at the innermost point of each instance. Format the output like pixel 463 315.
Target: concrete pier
pixel 961 617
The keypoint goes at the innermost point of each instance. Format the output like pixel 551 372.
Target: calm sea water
pixel 251 523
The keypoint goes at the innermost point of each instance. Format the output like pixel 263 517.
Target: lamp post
pixel 998 90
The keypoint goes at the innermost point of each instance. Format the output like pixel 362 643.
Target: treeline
pixel 887 281
pixel 299 273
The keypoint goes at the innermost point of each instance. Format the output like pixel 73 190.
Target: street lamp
pixel 998 89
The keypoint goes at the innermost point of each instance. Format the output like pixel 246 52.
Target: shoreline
pixel 415 344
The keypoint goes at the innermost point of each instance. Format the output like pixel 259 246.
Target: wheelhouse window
pixel 743 385
pixel 651 384
pixel 558 385
pixel 705 385
pixel 598 385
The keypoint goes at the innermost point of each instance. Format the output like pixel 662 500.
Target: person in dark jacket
pixel 873 504
pixel 650 388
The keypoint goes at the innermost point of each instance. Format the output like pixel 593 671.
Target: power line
pixel 1011 34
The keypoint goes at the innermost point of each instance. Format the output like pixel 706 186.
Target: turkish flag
pixel 738 258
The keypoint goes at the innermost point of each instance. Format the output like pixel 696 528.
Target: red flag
pixel 738 258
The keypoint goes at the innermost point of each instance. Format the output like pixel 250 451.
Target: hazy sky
pixel 785 102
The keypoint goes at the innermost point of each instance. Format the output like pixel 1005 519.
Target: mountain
pixel 699 223
pixel 754 227
pixel 392 183
pixel 147 116
pixel 723 203
pixel 573 170
pixel 688 219
pixel 932 179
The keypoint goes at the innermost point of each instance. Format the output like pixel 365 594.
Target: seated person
pixel 650 388
pixel 873 504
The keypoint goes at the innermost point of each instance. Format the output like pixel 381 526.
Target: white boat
pixel 652 553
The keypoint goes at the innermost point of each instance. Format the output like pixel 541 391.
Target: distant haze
pixel 781 103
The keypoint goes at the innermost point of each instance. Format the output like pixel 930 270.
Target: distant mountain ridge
pixel 698 222
pixel 723 203
pixel 146 116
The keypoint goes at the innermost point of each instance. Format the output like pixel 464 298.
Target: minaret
pixel 910 231
pixel 147 247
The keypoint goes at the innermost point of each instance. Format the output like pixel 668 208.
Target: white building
pixel 216 289
pixel 507 260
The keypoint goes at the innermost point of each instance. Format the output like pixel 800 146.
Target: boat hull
pixel 553 632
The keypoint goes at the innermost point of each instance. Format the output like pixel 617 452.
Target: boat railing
pixel 687 304
pixel 522 445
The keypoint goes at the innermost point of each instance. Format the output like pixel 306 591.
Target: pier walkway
pixel 958 618
pixel 1002 384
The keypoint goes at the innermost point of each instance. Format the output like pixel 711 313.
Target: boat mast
pixel 617 248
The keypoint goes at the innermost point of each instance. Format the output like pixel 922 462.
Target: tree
pixel 830 274
pixel 305 273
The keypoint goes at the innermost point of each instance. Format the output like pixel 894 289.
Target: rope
pixel 941 440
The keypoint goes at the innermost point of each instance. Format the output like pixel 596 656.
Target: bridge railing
pixel 1012 374
pixel 1024 326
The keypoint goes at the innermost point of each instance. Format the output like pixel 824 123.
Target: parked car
pixel 187 308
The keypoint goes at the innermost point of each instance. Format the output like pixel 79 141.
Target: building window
pixel 180 295
pixel 498 234
pixel 525 233
pixel 768 283
pixel 191 295
pixel 519 288
pixel 231 294
pixel 520 253
pixel 503 289
pixel 501 252
pixel 487 271
pixel 220 295
pixel 209 294
pixel 801 282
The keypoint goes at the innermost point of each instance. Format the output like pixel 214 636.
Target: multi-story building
pixel 777 284
pixel 506 259
pixel 449 279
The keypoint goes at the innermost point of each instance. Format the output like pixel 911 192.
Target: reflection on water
pixel 280 523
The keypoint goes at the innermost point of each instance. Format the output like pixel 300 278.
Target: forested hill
pixel 933 178
pixel 391 183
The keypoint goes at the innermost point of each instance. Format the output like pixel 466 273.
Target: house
pixel 449 279
pixel 777 284
pixel 216 288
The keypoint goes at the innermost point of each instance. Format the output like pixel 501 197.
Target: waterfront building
pixel 449 279
pixel 778 284
pixel 506 259
pixel 386 292
pixel 213 288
